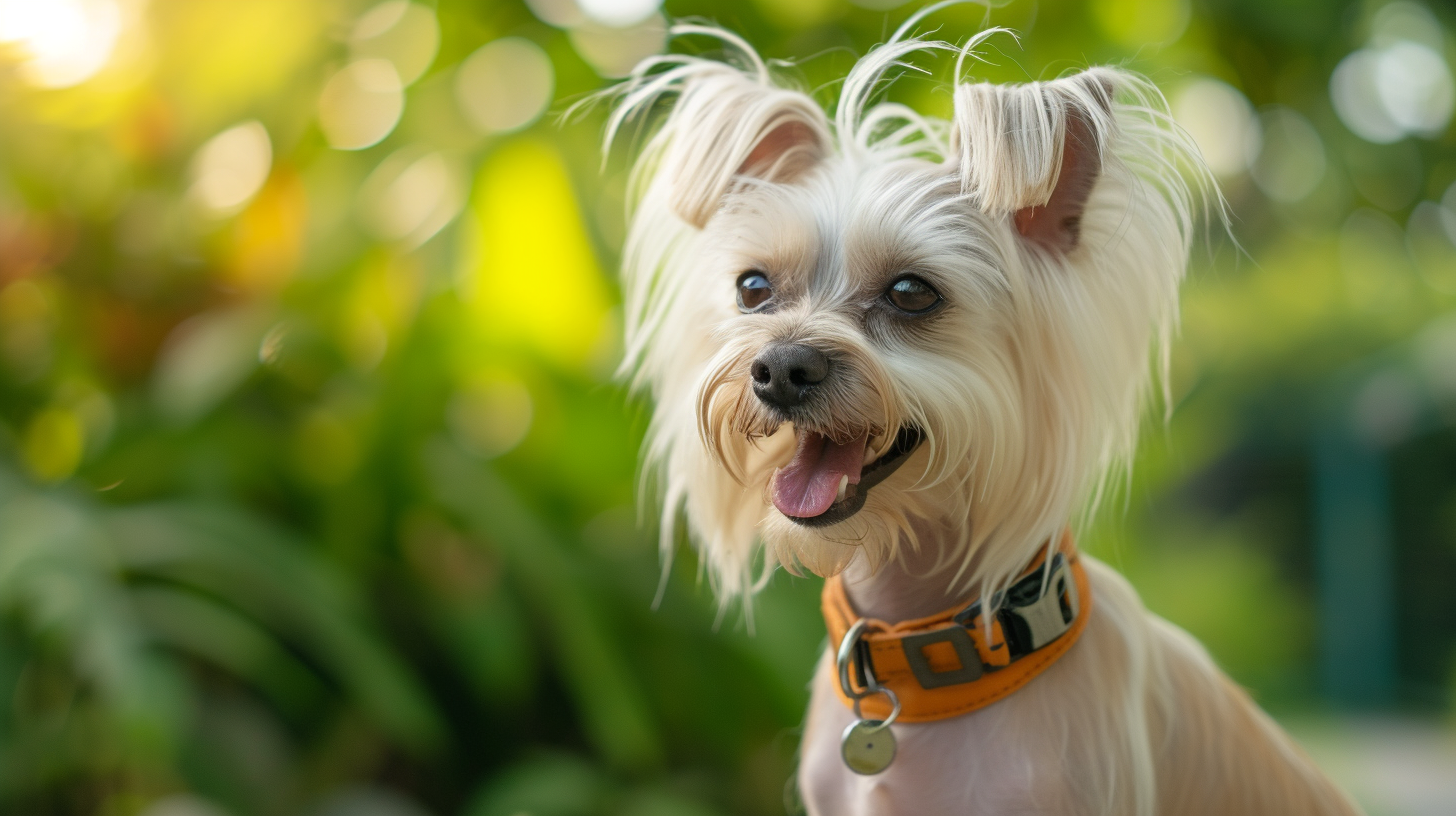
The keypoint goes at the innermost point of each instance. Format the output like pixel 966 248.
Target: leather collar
pixel 952 662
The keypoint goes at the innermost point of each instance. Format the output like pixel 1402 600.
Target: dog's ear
pixel 726 125
pixel 1035 151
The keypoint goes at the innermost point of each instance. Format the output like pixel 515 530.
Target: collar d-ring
pixel 843 659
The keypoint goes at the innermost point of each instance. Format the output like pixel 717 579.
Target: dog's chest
pixel 967 766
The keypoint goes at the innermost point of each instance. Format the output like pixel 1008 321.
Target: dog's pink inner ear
pixel 1057 224
pixel 784 153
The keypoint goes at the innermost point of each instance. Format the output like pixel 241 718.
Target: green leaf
pixel 609 699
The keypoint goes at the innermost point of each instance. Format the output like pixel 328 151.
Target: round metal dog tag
pixel 868 747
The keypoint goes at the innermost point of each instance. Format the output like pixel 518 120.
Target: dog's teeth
pixel 869 455
pixel 843 486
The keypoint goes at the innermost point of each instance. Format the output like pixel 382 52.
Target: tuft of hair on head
pixel 728 123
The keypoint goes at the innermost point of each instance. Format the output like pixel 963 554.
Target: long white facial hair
pixel 1024 427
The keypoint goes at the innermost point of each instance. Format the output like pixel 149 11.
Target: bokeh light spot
pixel 1448 212
pixel 505 85
pixel 182 804
pixel 53 444
pixel 407 34
pixel 361 104
pixel 1430 246
pixel 559 13
pixel 410 197
pixel 491 416
pixel 62 42
pixel 1291 161
pixel 1385 94
pixel 619 13
pixel 1436 351
pixel 1415 85
pixel 1385 408
pixel 614 52
pixel 273 344
pixel 1404 20
pixel 231 167
pixel 1357 99
pixel 204 359
pixel 1221 121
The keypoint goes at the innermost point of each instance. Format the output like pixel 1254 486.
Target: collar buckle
pixel 1032 618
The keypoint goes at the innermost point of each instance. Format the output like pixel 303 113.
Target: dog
pixel 904 353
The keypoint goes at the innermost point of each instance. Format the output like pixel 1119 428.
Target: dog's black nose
pixel 785 373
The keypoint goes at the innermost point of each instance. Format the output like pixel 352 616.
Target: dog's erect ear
pixel 1035 150
pixel 726 123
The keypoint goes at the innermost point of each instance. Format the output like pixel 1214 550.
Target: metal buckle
pixel 1046 618
pixel 965 650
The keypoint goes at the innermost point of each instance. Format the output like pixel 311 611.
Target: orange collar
pixel 948 664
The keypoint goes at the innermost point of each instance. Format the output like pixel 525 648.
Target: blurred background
pixel 317 491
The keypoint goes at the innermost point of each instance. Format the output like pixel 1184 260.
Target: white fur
pixel 1028 386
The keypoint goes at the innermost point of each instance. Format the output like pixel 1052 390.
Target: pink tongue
pixel 810 483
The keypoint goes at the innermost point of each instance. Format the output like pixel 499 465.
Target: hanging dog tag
pixel 868 746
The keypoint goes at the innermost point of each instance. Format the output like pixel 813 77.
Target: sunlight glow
pixel 61 42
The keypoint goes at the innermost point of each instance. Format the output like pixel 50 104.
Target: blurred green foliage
pixel 316 495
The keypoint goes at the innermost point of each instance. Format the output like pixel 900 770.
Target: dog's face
pixel 846 307
pixel 852 346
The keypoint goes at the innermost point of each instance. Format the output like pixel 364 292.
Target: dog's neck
pixel 909 586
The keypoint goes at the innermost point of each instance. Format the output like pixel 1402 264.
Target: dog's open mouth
pixel 826 482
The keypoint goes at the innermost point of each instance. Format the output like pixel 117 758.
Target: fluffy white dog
pixel 904 352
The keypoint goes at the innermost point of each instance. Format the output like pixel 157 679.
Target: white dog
pixel 904 352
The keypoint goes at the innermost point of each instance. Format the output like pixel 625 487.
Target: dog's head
pixel 860 330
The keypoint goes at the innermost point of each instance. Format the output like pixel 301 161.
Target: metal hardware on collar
pixel 1043 612
pixel 847 648
pixel 894 708
pixel 1032 624
pixel 965 650
pixel 867 746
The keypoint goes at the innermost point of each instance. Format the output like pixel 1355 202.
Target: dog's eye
pixel 753 290
pixel 912 295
